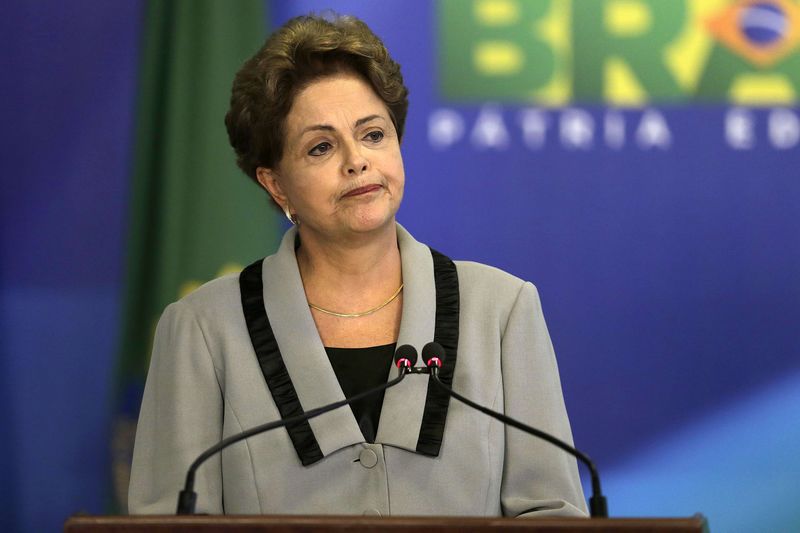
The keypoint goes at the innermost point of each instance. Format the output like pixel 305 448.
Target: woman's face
pixel 341 172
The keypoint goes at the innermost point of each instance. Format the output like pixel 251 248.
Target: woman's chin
pixel 372 224
pixel 371 218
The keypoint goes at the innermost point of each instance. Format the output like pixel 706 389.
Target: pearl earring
pixel 292 218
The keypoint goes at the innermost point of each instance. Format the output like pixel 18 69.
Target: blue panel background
pixel 69 82
pixel 670 279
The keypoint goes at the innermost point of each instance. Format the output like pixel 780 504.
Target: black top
pixel 358 370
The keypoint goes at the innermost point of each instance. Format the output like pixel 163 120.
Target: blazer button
pixel 367 458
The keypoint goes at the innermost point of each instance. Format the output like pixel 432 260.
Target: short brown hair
pixel 303 50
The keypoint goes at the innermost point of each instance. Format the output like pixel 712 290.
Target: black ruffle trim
pixel 271 362
pixel 445 333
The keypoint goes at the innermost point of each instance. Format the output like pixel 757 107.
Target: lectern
pixel 319 524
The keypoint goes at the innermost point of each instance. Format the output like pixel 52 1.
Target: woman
pixel 316 119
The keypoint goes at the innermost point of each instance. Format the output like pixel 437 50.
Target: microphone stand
pixel 187 498
pixel 598 506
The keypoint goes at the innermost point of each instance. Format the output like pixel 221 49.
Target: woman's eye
pixel 320 149
pixel 375 136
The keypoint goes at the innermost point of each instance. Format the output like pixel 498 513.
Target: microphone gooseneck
pixel 433 355
pixel 405 357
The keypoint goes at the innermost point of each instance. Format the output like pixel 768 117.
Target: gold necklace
pixel 363 313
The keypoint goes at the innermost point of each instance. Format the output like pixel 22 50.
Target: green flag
pixel 193 215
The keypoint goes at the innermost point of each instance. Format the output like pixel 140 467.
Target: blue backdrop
pixel 669 271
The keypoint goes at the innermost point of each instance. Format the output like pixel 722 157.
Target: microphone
pixel 405 358
pixel 433 354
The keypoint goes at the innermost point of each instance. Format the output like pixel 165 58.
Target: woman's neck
pixel 352 271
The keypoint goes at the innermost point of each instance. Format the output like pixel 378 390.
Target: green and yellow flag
pixel 193 215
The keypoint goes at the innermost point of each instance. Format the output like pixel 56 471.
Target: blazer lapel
pixel 404 404
pixel 302 350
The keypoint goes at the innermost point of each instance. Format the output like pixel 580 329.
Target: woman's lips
pixel 362 190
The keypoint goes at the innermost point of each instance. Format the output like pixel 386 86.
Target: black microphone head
pixel 405 356
pixel 433 354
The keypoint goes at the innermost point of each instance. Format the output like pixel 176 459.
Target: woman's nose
pixel 355 163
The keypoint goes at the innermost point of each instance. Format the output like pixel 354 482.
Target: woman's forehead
pixel 335 103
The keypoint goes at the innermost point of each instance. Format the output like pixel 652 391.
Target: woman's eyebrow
pixel 366 119
pixel 317 127
pixel 328 127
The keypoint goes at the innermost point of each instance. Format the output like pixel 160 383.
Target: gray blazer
pixel 205 384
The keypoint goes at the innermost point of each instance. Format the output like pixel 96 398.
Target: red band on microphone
pixel 434 361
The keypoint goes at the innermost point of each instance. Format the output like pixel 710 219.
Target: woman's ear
pixel 268 178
